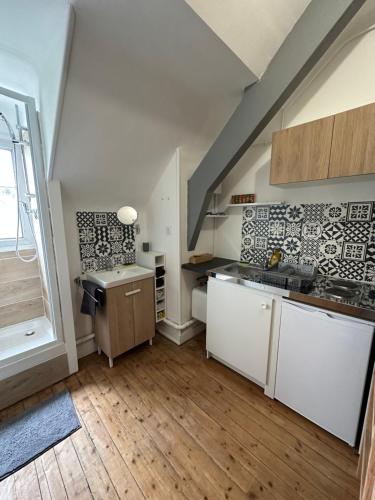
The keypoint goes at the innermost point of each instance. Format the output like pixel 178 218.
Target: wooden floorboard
pixel 165 423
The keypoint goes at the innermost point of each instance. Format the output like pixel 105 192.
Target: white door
pixel 238 327
pixel 322 366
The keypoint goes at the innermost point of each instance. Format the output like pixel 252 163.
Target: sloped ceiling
pixel 27 27
pixel 144 78
pixel 253 29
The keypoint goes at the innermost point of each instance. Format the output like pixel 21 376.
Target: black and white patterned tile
pixel 261 228
pixel 292 245
pixel 277 212
pixel 335 212
pixel 295 213
pixel 333 230
pixel 370 254
pixel 85 219
pixel 357 231
pixel 104 240
pixel 249 213
pixel 352 271
pixel 262 213
pixel 314 212
pixel 312 230
pixel 248 228
pixel 359 212
pixel 276 229
pixel 337 237
pixel 310 248
pixel 369 273
pixel 354 251
pixel 293 229
pixel 330 249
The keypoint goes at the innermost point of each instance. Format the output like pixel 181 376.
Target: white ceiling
pixel 144 78
pixel 253 29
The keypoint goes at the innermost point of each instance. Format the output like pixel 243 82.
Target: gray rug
pixel 28 435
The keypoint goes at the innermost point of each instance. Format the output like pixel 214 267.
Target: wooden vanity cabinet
pixel 353 143
pixel 302 153
pixel 127 318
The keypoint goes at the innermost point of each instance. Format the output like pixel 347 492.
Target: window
pixel 8 201
pixel 8 197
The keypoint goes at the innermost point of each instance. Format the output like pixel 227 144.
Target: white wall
pixel 345 82
pixel 164 230
pixel 205 244
pixel 167 231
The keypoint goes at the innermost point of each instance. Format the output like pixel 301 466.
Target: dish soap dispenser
pixel 275 258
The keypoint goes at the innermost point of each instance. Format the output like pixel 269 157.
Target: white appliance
pixel 322 366
pixel 199 303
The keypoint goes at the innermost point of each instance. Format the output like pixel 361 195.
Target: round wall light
pixel 127 215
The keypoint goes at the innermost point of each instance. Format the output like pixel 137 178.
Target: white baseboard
pixel 86 347
pixel 180 336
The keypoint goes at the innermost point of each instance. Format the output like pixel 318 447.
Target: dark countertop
pixel 362 306
pixel 206 266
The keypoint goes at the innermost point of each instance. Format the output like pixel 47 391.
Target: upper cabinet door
pixel 302 153
pixel 353 144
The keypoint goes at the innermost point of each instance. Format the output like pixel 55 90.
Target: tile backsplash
pixel 339 238
pixel 103 238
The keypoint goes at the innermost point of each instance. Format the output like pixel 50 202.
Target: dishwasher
pixel 323 367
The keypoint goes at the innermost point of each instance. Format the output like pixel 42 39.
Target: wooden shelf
pixel 258 203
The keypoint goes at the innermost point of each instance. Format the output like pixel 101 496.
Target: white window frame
pixel 26 241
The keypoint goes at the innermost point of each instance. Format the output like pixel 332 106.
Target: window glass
pixel 8 197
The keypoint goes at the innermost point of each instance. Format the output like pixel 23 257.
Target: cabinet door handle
pixel 132 292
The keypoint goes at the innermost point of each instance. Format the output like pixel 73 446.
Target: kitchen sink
pixel 120 276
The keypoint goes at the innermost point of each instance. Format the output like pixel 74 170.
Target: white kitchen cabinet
pixel 239 327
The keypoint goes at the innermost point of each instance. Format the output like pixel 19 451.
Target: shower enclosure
pixel 30 320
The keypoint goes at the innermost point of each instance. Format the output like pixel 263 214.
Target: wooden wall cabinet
pixel 302 153
pixel 127 318
pixel 336 146
pixel 353 143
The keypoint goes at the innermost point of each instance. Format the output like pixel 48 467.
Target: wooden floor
pixel 166 423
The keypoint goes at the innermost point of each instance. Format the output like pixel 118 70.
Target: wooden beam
pixel 314 32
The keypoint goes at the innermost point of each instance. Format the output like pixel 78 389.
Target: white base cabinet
pixel 239 327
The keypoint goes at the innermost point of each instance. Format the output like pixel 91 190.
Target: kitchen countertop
pixel 360 306
pixel 203 267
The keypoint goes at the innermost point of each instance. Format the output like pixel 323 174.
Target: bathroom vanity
pixel 127 318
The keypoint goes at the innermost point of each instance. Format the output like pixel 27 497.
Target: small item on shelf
pixel 238 199
pixel 203 257
pixel 161 315
pixel 159 271
pixel 159 295
pixel 159 282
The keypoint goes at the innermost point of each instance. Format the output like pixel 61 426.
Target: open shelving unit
pixel 156 262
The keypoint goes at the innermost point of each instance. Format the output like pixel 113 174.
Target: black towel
pixel 91 291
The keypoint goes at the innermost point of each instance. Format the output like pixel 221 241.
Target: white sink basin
pixel 120 276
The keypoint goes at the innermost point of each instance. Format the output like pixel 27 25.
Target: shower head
pixel 9 127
